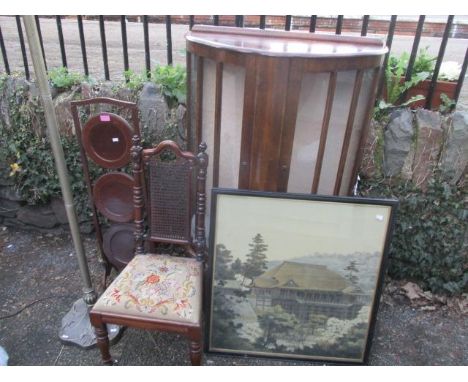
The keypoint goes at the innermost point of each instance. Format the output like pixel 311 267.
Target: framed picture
pixel 295 276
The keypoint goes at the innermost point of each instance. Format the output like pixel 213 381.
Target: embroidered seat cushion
pixel 156 286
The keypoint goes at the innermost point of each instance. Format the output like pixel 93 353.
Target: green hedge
pixel 429 242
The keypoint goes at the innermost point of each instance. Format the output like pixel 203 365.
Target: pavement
pixel 42 269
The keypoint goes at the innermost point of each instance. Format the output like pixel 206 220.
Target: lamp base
pixel 77 329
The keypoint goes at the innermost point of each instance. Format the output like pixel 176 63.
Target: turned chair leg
pixel 103 344
pixel 195 353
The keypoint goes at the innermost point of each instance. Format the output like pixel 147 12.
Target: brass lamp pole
pixel 76 327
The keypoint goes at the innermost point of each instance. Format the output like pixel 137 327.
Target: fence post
pixel 440 57
pixel 61 41
pixel 4 53
pixel 23 47
pixel 83 45
pixel 169 40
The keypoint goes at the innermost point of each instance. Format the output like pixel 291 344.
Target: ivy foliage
pixel 28 156
pixel 429 241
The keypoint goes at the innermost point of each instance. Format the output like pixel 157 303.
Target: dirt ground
pixel 43 268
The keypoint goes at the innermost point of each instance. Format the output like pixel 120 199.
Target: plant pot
pixel 447 87
pixel 423 88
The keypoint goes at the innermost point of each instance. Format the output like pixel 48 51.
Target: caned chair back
pixel 175 181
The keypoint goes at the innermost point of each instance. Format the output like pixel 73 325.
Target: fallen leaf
pixel 428 307
pixel 412 290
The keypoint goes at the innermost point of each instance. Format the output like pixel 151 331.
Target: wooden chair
pixel 158 291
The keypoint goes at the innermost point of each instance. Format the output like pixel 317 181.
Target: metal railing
pixel 338 24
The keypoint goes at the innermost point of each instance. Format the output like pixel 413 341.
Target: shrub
pixel 28 156
pixel 428 241
pixel 63 79
pixel 172 80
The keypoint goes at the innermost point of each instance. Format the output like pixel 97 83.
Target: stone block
pixel 454 158
pixel 10 193
pixel 9 208
pixel 39 216
pixel 153 112
pixel 398 138
pixel 428 146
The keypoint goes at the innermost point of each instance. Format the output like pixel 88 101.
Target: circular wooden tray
pixel 113 196
pixel 119 244
pixel 107 139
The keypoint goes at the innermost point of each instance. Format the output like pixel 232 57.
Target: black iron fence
pixel 314 23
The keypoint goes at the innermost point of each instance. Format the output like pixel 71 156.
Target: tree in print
pixel 256 262
pixel 223 259
pixel 274 322
pixel 237 267
pixel 352 271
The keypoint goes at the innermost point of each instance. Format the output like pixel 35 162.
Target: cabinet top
pixel 285 43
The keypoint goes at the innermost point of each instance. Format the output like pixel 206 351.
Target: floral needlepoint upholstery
pixel 156 286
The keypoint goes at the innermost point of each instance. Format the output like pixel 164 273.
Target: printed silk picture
pixel 296 276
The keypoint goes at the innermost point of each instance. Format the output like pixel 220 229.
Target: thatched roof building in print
pixel 305 289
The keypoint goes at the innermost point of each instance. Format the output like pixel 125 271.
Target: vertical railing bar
pixel 348 131
pixel 364 131
pixel 461 78
pixel 123 27
pixel 191 22
pixel 324 131
pixel 61 41
pixel 365 25
pixel 391 32
pixel 339 24
pixel 440 57
pixel 313 23
pixel 169 40
pixel 217 122
pixel 414 50
pixel 147 47
pixel 102 30
pixel 4 53
pixel 23 47
pixel 83 45
pixel 287 24
pixel 199 101
pixel 39 32
pixel 216 20
pixel 262 22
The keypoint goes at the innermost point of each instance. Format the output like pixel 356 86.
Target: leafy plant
pixel 134 81
pixel 172 80
pixel 29 160
pixel 396 87
pixel 447 104
pixel 424 63
pixel 428 241
pixel 62 78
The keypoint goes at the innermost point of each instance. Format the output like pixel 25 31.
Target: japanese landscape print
pixel 295 278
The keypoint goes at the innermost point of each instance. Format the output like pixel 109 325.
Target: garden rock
pixel 63 112
pixel 10 193
pixel 58 208
pixel 369 166
pixel 153 111
pixel 39 216
pixel 454 159
pixel 398 138
pixel 9 208
pixel 429 142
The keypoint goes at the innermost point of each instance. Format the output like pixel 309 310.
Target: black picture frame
pixel 318 304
